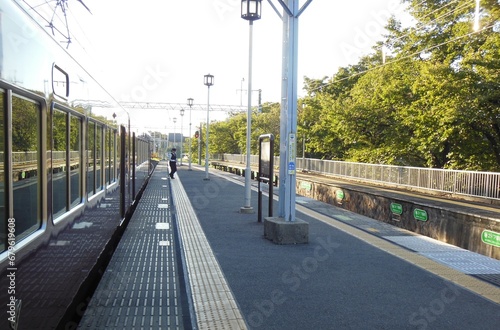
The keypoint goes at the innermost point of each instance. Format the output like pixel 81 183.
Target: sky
pixel 160 50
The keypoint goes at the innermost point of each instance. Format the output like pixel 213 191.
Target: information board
pixel 265 159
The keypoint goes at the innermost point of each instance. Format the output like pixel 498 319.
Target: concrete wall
pixel 444 222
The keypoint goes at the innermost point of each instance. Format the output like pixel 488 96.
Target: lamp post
pixel 174 120
pixel 241 90
pixel 199 144
pixel 190 103
pixel 208 81
pixel 250 11
pixel 182 136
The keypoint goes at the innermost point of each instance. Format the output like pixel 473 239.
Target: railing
pixel 469 183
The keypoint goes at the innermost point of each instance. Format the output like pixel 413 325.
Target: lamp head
pixel 251 9
pixel 209 80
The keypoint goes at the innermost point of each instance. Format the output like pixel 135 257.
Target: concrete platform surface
pixel 355 272
pixel 191 259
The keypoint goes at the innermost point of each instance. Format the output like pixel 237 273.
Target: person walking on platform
pixel 173 163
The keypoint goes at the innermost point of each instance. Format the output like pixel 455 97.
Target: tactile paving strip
pixel 385 243
pixel 460 259
pixel 214 304
pixel 140 287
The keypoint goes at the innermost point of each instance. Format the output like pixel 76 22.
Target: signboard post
pixel 291 154
pixel 266 170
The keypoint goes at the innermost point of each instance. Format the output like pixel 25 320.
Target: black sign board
pixel 266 169
pixel 265 160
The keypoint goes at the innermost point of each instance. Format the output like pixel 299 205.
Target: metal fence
pixel 469 183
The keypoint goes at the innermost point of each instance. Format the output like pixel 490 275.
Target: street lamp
pixel 174 120
pixel 190 103
pixel 250 11
pixel 208 81
pixel 182 139
pixel 241 90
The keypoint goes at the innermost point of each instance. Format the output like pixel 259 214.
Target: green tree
pixel 457 112
pixel 435 101
pixel 266 122
pixel 223 137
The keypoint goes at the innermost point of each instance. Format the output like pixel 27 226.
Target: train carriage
pixel 70 171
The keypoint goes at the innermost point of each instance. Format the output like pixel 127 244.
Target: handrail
pixel 468 183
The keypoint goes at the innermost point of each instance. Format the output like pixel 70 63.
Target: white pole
pixel 182 140
pixel 206 142
pixel 247 208
pixel 190 138
pixel 288 130
pixel 476 16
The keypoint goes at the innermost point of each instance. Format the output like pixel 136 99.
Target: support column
pixel 285 229
pixel 288 121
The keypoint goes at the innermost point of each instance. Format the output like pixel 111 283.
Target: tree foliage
pixel 434 102
pixel 230 136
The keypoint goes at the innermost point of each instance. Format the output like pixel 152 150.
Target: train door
pixel 65 145
pixel 22 196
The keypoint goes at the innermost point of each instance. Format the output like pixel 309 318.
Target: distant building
pixel 177 137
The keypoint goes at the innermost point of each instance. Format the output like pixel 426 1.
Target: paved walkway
pixel 141 288
pixel 145 287
pixel 355 272
pixel 351 275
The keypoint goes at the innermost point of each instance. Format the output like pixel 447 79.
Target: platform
pixel 145 286
pixel 355 272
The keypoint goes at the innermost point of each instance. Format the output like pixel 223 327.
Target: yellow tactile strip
pixel 214 303
pixel 486 290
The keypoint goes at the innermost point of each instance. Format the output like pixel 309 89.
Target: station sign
pixel 396 208
pixel 491 238
pixel 339 194
pixel 292 150
pixel 307 186
pixel 420 215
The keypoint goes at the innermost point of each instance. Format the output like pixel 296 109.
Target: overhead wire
pixel 418 52
pixel 50 22
pixel 422 25
pixel 408 56
pixel 418 25
pixel 83 34
pixel 69 36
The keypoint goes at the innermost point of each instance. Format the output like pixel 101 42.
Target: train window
pixel 60 82
pixel 74 161
pixel 113 155
pixel 3 218
pixel 25 171
pixel 91 159
pixel 98 156
pixel 108 154
pixel 59 162
pixel 118 154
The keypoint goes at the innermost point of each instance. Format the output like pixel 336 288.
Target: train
pixel 71 172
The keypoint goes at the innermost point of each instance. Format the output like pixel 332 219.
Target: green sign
pixel 396 208
pixel 306 185
pixel 419 214
pixel 490 237
pixel 339 194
